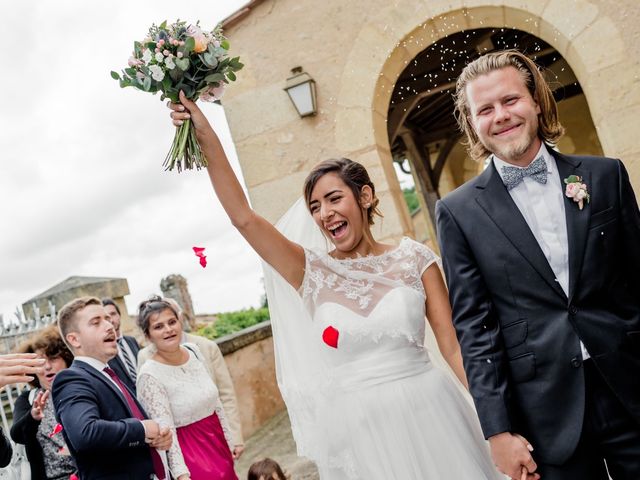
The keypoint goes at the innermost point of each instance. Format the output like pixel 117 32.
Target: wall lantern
pixel 302 92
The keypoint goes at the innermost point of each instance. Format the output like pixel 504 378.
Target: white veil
pixel 300 370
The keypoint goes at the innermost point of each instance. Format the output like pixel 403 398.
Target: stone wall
pixel 250 359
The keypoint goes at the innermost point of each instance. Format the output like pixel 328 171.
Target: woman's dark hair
pixel 148 308
pixel 265 470
pixel 50 343
pixel 353 174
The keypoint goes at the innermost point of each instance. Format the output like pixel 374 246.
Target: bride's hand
pixel 187 109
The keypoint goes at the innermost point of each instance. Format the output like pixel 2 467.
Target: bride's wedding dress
pixel 364 397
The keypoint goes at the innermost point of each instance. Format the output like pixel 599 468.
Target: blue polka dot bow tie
pixel 512 176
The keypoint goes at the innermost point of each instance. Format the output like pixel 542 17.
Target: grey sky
pixel 82 189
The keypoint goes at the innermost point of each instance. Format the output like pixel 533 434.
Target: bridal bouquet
pixel 183 57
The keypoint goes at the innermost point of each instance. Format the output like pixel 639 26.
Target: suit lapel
pixel 577 220
pixel 496 201
pixel 92 371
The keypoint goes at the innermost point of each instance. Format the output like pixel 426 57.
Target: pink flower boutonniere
pixel 577 190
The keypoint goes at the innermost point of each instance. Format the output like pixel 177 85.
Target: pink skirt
pixel 205 450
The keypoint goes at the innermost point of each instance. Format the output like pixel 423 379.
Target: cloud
pixel 82 189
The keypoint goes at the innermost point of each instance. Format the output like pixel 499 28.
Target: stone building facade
pixel 359 53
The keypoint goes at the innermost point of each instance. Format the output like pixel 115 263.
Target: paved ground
pixel 274 440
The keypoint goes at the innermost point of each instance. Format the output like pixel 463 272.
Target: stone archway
pixel 421 125
pixel 391 39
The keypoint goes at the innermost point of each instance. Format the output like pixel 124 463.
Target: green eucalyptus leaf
pixel 176 74
pixel 225 44
pixel 189 44
pixel 115 75
pixel 182 63
pixel 571 179
pixel 231 76
pixel 163 25
pixel 166 83
pixel 214 77
pixel 146 84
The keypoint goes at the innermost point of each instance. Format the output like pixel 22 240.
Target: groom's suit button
pixel 576 362
pixel 573 309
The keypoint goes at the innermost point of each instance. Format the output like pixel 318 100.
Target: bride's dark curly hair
pixel 353 174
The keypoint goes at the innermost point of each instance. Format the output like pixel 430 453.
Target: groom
pixel 542 254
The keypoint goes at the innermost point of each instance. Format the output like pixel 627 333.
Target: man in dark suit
pixel 542 254
pixel 125 363
pixel 104 426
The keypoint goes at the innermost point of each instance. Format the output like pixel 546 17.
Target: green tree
pixel 232 322
pixel 411 197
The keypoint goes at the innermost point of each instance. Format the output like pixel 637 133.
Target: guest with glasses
pixel 34 419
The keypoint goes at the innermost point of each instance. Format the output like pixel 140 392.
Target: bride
pixel 364 398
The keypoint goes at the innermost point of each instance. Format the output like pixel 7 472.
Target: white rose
pixel 169 63
pixel 159 57
pixel 156 73
pixel 146 56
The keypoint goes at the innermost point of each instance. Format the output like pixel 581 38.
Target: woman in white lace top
pixel 177 391
pixel 364 398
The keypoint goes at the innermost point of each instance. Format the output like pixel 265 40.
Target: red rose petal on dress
pixel 330 336
pixel 74 477
pixel 56 430
pixel 203 261
pixel 198 250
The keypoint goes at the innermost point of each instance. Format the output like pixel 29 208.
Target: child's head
pixel 266 469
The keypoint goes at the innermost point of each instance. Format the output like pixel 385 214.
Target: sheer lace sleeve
pixel 424 257
pixel 153 396
pixel 224 422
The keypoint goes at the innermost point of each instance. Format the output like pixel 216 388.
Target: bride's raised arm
pixel 286 257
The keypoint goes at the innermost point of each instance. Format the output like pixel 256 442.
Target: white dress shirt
pixel 99 366
pixel 542 206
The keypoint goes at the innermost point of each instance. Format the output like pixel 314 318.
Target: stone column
pixel 175 286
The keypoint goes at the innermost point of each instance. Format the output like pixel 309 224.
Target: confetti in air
pixel 56 430
pixel 199 251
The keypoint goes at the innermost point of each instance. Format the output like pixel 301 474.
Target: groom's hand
pixel 510 453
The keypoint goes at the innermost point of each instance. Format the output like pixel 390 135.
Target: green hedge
pixel 232 322
pixel 411 197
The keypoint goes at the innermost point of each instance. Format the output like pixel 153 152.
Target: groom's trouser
pixel 609 434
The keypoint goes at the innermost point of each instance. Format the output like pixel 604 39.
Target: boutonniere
pixel 577 190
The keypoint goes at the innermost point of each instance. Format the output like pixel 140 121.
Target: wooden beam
pixel 419 163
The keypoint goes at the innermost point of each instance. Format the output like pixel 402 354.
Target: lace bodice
pixel 177 396
pixel 365 299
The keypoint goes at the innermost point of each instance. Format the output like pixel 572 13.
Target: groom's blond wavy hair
pixel 549 128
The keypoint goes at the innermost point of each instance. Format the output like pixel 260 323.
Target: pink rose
pixel 199 37
pixel 213 93
pixel 572 189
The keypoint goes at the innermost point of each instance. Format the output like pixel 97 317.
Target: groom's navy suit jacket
pixel 518 330
pixel 105 439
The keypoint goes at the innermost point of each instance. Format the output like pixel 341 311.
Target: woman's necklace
pixel 178 358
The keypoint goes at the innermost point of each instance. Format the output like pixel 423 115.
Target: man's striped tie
pixel 128 361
